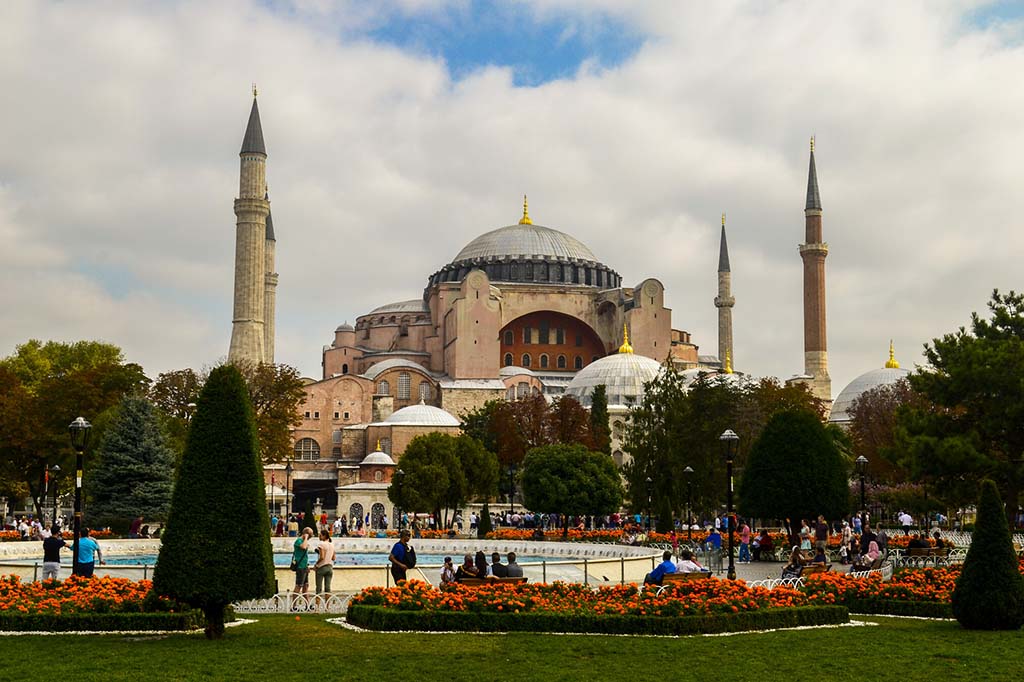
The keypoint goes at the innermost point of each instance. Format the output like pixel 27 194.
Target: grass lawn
pixel 281 648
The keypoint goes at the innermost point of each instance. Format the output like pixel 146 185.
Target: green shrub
pixel 895 607
pixel 380 618
pixel 308 517
pixel 483 525
pixel 989 593
pixel 202 564
pixel 49 622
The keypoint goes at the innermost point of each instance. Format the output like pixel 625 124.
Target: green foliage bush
pixel 989 594
pixel 203 564
pixel 49 622
pixel 308 517
pixel 380 618
pixel 483 525
pixel 895 607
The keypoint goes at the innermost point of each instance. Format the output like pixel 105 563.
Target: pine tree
pixel 600 432
pixel 483 526
pixel 211 565
pixel 989 593
pixel 134 471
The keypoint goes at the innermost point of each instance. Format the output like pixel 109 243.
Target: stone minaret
pixel 251 211
pixel 269 291
pixel 724 302
pixel 813 252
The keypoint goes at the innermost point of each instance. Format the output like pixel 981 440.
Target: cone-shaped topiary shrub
pixel 205 564
pixel 989 594
pixel 483 526
pixel 308 517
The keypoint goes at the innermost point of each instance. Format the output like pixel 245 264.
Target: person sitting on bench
pixel 687 563
pixel 867 559
pixel 820 558
pixel 795 566
pixel 656 576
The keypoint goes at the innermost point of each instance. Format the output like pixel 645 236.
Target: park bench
pixel 815 568
pixel 685 577
pixel 471 582
pixel 923 556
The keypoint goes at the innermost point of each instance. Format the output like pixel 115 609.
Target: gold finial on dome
pixel 892 363
pixel 525 220
pixel 378 445
pixel 723 220
pixel 254 91
pixel 625 347
pixel 728 363
pixel 812 144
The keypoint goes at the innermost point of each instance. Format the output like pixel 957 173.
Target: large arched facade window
pixel 404 386
pixel 377 515
pixel 355 513
pixel 383 388
pixel 425 391
pixel 526 360
pixel 307 448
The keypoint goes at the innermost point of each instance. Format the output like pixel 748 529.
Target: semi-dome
pixel 623 375
pixel 416 305
pixel 422 415
pixel 886 376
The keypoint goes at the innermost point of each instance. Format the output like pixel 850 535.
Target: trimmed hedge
pixel 381 618
pixel 894 607
pixel 49 622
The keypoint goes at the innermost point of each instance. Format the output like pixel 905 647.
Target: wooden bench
pixel 471 582
pixel 680 577
pixel 815 568
pixel 922 556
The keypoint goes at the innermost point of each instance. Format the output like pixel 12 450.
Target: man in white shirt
pixel 906 520
pixel 686 563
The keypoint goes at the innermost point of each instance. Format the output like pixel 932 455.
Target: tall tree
pixel 433 478
pixel 199 563
pixel 600 431
pixel 794 471
pixel 872 429
pixel 568 422
pixel 276 392
pixel 134 470
pixel 571 480
pixel 970 430
pixel 479 424
pixel 175 394
pixel 54 383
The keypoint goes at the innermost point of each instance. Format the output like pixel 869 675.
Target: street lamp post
pixel 650 487
pixel 273 497
pixel 79 430
pixel 511 490
pixel 730 440
pixel 54 470
pixel 399 478
pixel 862 465
pixel 688 473
pixel 288 489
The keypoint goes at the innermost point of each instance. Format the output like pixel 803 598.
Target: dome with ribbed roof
pixel 885 376
pixel 378 457
pixel 623 375
pixel 525 240
pixel 422 415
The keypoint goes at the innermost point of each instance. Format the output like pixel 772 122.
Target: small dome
pixel 344 327
pixel 416 305
pixel 393 363
pixel 422 415
pixel 623 374
pixel 862 384
pixel 514 371
pixel 378 457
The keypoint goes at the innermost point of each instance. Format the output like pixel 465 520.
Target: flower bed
pixel 102 603
pixel 15 536
pixel 681 608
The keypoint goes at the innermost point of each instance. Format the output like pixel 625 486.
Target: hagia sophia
pixel 522 309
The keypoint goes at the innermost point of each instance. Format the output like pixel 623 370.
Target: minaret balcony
pixel 821 248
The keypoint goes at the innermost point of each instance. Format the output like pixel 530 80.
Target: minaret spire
pixel 813 252
pixel 724 301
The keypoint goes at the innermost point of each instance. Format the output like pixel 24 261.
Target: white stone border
pixel 355 628
pixel 133 633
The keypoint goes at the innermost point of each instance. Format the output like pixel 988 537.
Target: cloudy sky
pixel 399 130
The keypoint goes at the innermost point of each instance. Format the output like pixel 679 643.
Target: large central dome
pixel 525 241
pixel 529 254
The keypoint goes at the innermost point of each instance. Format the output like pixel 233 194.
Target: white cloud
pixel 123 124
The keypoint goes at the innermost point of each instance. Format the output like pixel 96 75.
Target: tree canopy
pixel 969 426
pixel 794 471
pixel 201 562
pixel 133 474
pixel 571 480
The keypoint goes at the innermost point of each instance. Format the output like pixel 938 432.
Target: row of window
pixel 543 361
pixel 404 388
pixel 316 415
pixel 308 449
pixel 543 336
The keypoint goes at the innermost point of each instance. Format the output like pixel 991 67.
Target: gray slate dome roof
pixel 865 382
pixel 344 327
pixel 416 305
pixel 624 375
pixel 378 457
pixel 525 240
pixel 376 370
pixel 422 415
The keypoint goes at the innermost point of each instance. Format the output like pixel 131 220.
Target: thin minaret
pixel 269 289
pixel 251 211
pixel 813 252
pixel 724 301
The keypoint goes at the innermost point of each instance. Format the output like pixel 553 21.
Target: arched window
pixel 544 361
pixel 578 362
pixel 561 362
pixel 385 445
pixel 510 393
pixel 378 475
pixel 617 456
pixel 377 515
pixel 404 386
pixel 526 359
pixel 336 453
pixel 617 429
pixel 307 448
pixel 424 391
pixel 509 361
pixel 344 368
pixel 355 513
pixel 383 388
pixel 510 337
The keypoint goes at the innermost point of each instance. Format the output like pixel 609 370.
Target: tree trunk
pixel 565 527
pixel 214 621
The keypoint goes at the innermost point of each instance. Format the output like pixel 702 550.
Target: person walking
pixel 399 557
pixel 88 550
pixel 323 570
pixel 51 553
pixel 300 560
pixel 744 556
